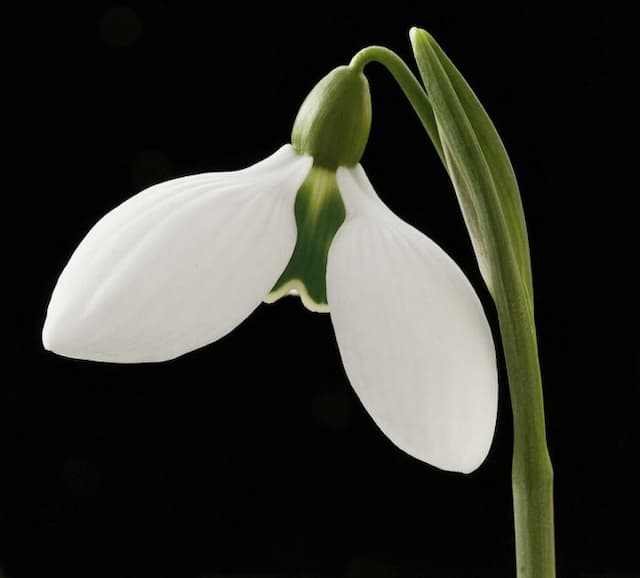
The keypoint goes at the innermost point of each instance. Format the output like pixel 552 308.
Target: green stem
pixel 408 83
pixel 532 475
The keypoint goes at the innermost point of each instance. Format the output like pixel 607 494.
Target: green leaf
pixel 488 193
pixel 478 165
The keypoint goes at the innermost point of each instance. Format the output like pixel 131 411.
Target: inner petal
pixel 319 212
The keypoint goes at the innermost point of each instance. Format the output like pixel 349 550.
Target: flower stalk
pixel 408 83
pixel 479 167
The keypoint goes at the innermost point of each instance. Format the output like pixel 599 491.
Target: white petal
pixel 178 265
pixel 414 340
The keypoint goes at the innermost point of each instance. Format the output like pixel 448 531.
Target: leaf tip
pixel 416 34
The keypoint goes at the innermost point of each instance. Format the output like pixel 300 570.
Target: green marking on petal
pixel 297 287
pixel 319 213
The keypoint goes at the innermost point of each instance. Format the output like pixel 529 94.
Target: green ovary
pixel 319 213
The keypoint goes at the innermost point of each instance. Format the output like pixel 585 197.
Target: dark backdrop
pixel 253 457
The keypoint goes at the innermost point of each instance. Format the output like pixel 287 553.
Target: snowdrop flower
pixel 184 262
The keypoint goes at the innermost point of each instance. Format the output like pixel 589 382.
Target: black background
pixel 253 457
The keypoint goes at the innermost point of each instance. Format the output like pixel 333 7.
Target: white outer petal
pixel 178 265
pixel 413 338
